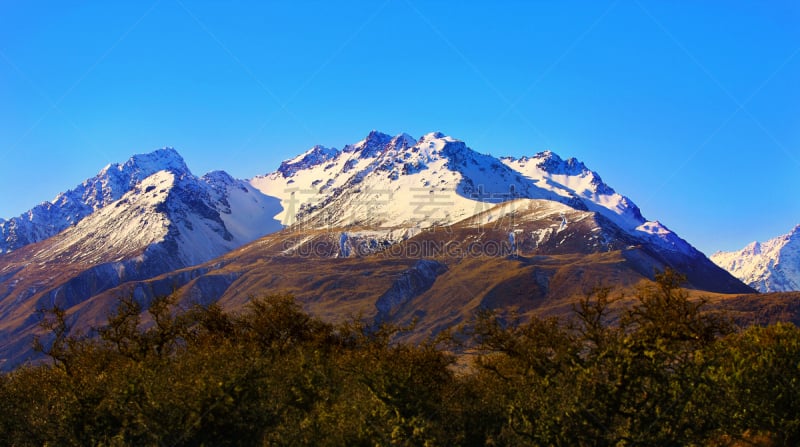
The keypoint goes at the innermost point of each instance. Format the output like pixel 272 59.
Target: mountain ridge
pixel 770 266
pixel 361 214
pixel 70 207
pixel 435 159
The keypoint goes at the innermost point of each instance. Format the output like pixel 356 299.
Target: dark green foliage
pixel 759 370
pixel 658 372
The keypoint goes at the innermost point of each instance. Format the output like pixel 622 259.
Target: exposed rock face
pixel 409 284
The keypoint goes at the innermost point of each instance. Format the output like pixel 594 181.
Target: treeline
pixel 660 371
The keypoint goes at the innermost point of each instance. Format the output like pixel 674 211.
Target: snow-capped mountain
pixel 574 182
pixel 771 266
pixel 168 220
pixel 149 226
pixel 150 214
pixel 398 182
pixel 241 212
pixel 69 208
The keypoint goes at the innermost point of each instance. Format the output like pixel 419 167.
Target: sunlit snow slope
pixel 398 182
pixel 771 266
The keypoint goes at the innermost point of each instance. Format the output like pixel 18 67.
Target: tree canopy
pixel 659 371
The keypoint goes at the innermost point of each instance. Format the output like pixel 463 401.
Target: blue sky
pixel 692 109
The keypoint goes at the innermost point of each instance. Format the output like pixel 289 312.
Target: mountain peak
pixel 308 159
pixel 370 146
pixel 164 159
pixel 219 177
pixel 402 141
pixel 770 266
pixel 432 136
pixel 753 248
pixel 550 162
pixel 116 179
pixel 70 207
pixel 376 135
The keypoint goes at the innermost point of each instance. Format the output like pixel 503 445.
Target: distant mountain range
pixel 771 266
pixel 390 227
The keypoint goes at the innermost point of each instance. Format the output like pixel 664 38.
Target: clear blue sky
pixel 692 109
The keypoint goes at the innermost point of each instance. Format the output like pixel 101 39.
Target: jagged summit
pixel 571 178
pixel 370 146
pixel 70 207
pixel 164 159
pixel 110 185
pixel 401 142
pixel 432 136
pixel 117 178
pixel 552 163
pixel 380 180
pixel 770 266
pixel 219 177
pixel 312 157
pixel 548 161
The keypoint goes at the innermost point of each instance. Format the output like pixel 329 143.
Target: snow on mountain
pixel 118 231
pixel 241 212
pixel 571 179
pixel 69 208
pixel 183 219
pixel 379 182
pixel 313 157
pixel 382 189
pixel 246 212
pixel 771 266
pixel 307 179
pixel 213 215
pixel 390 182
pixel 167 221
pixel 135 222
